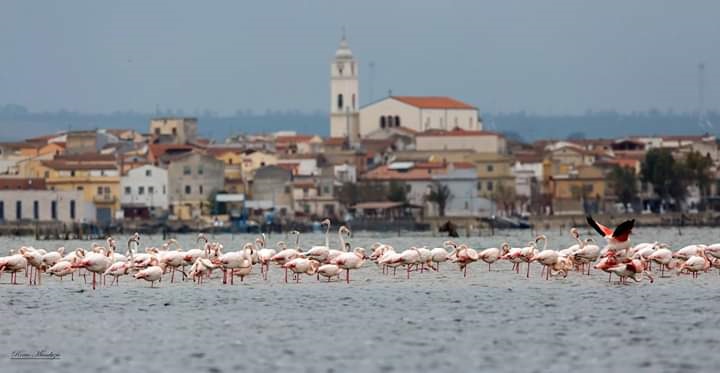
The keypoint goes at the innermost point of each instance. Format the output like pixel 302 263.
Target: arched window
pixel 353 101
pixel 397 121
pixel 340 102
pixel 382 121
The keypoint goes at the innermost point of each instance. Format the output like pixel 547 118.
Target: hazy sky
pixel 539 56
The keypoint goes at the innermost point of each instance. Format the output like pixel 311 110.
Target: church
pixel 417 113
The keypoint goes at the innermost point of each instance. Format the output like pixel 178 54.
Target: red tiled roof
pixel 22 184
pixel 334 141
pixel 158 150
pixel 293 139
pixel 62 165
pixel 86 157
pixel 456 132
pixel 433 102
pixel 420 171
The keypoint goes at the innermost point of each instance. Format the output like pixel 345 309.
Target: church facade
pixel 418 113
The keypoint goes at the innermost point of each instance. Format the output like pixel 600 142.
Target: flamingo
pixel 350 260
pixel 201 268
pixel 287 255
pixel 52 257
pixel 587 254
pixel 465 256
pixel 320 253
pixel 61 269
pixel 35 261
pixel 13 263
pixel 548 258
pixel 329 271
pixel 153 272
pixel 97 263
pixel 302 265
pixel 236 260
pixel 493 254
pixel 264 255
pixel 438 255
pixel 688 251
pixel 696 263
pixel 663 257
pixel 632 269
pixel 618 239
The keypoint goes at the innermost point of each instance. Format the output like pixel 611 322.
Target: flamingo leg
pixel 528 270
pixel 93 282
pixel 347 275
pixel 465 271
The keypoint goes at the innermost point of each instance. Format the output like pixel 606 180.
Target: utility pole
pixel 701 95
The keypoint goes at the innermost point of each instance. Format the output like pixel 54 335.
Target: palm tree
pixel 440 195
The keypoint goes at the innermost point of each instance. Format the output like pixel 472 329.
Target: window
pixel 47 174
pixel 164 191
pixel 53 210
pixel 72 209
pixel 128 190
pixel 148 172
pixel 305 192
pixel 151 190
pixel 72 173
pixel 157 131
pixel 18 210
pixel 36 210
pixel 229 160
pixel 490 186
pixel 382 121
pixel 80 187
pixel 141 190
pixel 200 189
pixel 490 168
pixel 470 123
pixel 106 189
pixel 353 101
pixel 2 210
pixel 200 170
pixel 397 121
pixel 340 102
pixel 188 189
pixel 187 170
pixel 456 122
pixel 326 189
pixel 174 131
pixel 306 208
pixel 99 190
pixel 479 185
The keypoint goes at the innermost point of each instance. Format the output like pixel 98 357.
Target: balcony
pixel 104 198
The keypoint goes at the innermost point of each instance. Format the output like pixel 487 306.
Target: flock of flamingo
pixel 617 257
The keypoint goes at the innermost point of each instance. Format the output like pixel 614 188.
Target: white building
pixel 419 113
pixel 45 205
pixel 145 186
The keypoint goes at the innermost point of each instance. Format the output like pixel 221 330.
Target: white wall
pixel 84 211
pixel 138 177
pixel 370 115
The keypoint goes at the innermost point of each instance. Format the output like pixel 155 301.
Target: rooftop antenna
pixel 372 80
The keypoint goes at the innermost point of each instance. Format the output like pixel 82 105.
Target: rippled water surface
pixel 489 321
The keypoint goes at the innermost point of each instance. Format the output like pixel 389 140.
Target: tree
pixel 440 195
pixel 505 197
pixel 668 177
pixel 624 184
pixel 698 170
pixel 397 191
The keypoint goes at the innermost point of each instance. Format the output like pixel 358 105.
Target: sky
pixel 542 57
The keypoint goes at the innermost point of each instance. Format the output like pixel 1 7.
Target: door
pixel 103 215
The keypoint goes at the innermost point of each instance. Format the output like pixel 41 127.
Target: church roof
pixel 433 102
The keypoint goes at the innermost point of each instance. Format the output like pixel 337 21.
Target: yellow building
pixel 494 171
pixel 252 161
pixel 96 175
pixel 571 186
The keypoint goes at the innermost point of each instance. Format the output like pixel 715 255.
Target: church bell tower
pixel 344 95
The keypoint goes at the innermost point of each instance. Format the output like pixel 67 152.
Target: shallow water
pixel 493 321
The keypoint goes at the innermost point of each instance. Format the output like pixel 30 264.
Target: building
pixel 577 190
pixel 419 177
pixel 45 206
pixel 459 139
pixel 315 197
pixel 418 113
pixel 344 94
pixel 144 192
pixel 192 179
pixel 97 176
pixel 179 130
pixel 272 187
